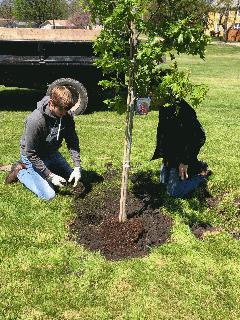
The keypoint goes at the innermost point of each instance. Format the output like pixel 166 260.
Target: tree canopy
pixel 40 10
pixel 164 28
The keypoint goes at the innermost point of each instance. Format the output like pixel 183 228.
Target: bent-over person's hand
pixel 56 180
pixel 182 169
pixel 76 175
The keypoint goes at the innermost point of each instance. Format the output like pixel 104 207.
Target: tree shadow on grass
pixel 88 180
pixel 154 196
pixel 24 99
pixel 146 189
pixel 19 99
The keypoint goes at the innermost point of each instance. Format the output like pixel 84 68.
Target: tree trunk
pixel 128 128
pixel 225 32
pixel 126 156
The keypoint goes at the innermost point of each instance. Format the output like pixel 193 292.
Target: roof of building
pixel 58 23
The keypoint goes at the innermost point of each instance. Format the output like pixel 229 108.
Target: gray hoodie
pixel 43 136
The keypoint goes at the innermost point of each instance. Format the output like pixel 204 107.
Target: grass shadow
pixel 88 180
pixel 19 99
pixel 155 197
pixel 149 191
pixel 24 99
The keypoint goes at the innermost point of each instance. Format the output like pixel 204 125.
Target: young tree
pixel 137 36
pixel 40 10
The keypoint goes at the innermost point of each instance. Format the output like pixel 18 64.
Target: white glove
pixel 56 180
pixel 76 175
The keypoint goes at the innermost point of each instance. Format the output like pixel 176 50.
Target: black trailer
pixel 41 59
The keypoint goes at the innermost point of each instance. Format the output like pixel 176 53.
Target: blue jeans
pixel 36 182
pixel 179 188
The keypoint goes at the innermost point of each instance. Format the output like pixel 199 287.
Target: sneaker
pixel 12 176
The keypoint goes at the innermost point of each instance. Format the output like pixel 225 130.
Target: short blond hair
pixel 62 98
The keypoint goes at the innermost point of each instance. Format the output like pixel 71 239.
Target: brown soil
pixel 201 229
pixel 5 167
pixel 237 203
pixel 213 202
pixel 97 226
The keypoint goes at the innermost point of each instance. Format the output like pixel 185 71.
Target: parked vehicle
pixel 42 59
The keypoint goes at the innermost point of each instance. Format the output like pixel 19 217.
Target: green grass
pixel 44 275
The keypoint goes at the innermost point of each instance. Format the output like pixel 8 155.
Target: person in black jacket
pixel 180 137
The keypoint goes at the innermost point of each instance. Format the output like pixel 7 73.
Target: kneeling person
pixel 180 137
pixel 42 166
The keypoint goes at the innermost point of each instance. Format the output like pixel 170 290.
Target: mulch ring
pixel 98 229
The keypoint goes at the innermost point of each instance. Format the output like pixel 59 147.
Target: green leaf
pixel 180 38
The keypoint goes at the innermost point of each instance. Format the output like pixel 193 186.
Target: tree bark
pixel 126 156
pixel 225 31
pixel 128 127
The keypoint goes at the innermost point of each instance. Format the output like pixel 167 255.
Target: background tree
pixel 40 10
pixel 6 9
pixel 137 36
pixel 78 14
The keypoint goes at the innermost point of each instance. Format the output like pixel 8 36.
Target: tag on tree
pixel 143 106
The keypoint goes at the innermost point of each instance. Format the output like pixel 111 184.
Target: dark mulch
pixel 97 226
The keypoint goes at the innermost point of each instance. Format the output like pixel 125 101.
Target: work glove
pixel 76 175
pixel 56 180
pixel 183 171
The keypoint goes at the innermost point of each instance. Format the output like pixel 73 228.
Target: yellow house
pixel 226 22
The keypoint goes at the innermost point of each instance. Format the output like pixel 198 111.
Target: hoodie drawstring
pixel 59 128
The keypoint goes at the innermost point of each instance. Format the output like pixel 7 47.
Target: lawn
pixel 45 275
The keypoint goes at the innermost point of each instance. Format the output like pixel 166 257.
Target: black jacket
pixel 180 135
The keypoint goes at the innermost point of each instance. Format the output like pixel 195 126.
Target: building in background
pixel 57 24
pixel 224 22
